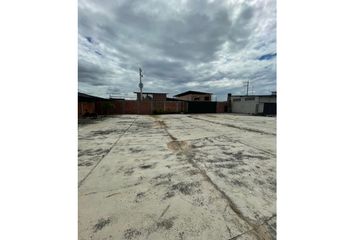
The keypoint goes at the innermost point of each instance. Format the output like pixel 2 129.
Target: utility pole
pixel 141 85
pixel 247 83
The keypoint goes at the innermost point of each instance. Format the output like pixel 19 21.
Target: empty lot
pixel 206 176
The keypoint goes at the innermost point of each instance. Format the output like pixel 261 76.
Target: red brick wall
pixel 137 107
pixel 119 106
pixel 131 107
pixel 86 106
pixel 220 107
pixel 144 107
pixel 171 107
pixel 158 107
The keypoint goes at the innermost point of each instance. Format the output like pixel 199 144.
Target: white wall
pixel 250 106
pixel 243 106
pixel 268 99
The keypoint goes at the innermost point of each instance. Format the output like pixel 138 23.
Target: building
pixel 194 96
pixel 152 96
pixel 253 104
pixel 87 103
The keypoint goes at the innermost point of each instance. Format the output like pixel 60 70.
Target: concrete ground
pixel 200 176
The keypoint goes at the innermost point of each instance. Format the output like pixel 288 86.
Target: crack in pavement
pixel 233 126
pixel 231 204
pixel 255 229
pixel 252 146
pixel 109 150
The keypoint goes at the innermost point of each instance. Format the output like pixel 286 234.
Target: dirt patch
pixel 163 176
pixel 146 166
pixel 85 164
pixel 177 145
pixel 238 171
pixel 92 152
pixel 226 165
pixel 129 172
pixel 101 224
pixel 135 150
pixel 105 132
pixel 166 223
pixel 263 232
pixel 238 183
pixel 193 172
pixel 166 182
pixel 139 196
pixel 168 194
pixel 163 179
pixel 131 233
pixel 259 182
pixel 161 123
pixel 220 174
pixel 86 121
pixel 256 157
pixel 186 188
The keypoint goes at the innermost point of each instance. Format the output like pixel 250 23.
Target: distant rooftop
pixel 86 96
pixel 151 92
pixel 270 95
pixel 191 92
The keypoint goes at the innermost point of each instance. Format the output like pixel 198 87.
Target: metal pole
pixel 141 85
pixel 248 82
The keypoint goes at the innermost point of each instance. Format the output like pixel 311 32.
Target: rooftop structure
pixel 194 96
pixel 152 96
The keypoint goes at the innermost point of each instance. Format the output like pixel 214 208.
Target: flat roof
pixel 253 95
pixel 87 96
pixel 152 92
pixel 191 92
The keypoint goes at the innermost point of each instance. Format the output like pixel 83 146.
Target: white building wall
pixel 260 107
pixel 250 106
pixel 243 106
pixel 267 99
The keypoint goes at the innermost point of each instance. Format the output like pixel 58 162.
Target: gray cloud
pixel 181 45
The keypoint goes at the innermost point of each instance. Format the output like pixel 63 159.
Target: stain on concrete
pixel 135 150
pixel 166 223
pixel 168 194
pixel 131 233
pixel 86 163
pixel 105 132
pixel 146 166
pixel 139 197
pixel 129 172
pixel 186 188
pixel 101 224
pixel 177 145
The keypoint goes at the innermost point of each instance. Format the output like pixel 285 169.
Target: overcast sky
pixel 201 45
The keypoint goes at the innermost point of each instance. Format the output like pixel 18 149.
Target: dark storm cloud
pixel 267 56
pixel 181 45
pixel 92 74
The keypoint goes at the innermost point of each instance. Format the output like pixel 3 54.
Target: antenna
pixel 141 85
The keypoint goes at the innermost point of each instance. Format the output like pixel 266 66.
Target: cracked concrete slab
pixel 178 177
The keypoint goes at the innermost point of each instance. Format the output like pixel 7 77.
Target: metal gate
pixel 270 108
pixel 201 107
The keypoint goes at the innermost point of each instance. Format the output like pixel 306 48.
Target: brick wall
pixel 109 107
pixel 221 107
pixel 84 107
